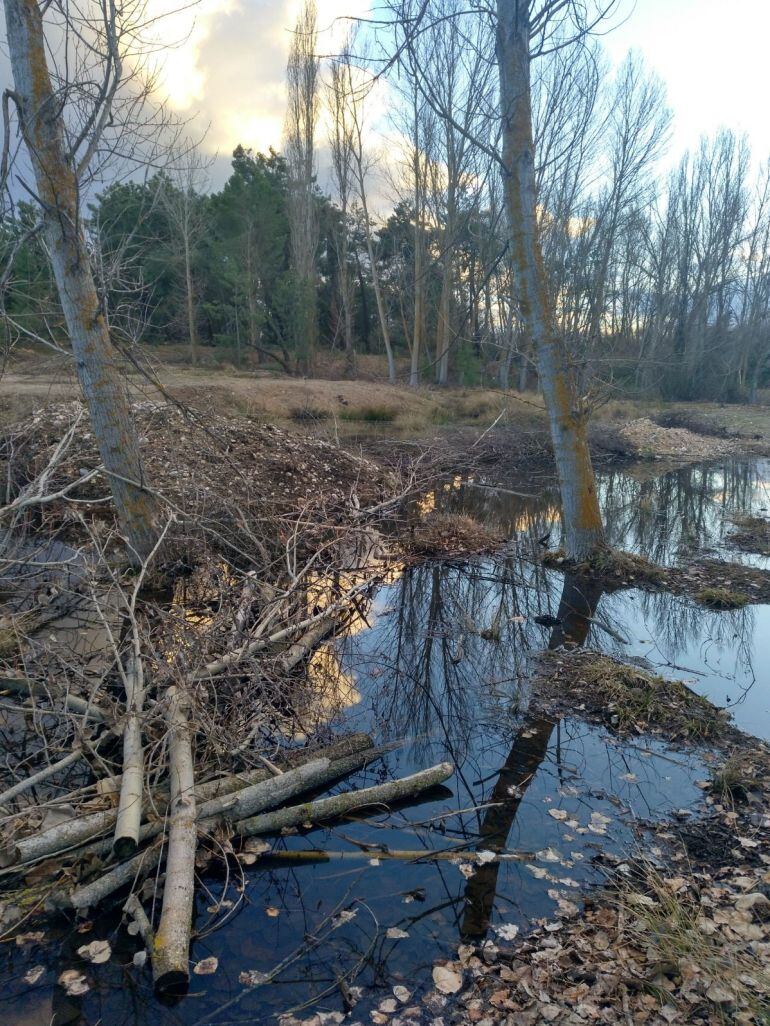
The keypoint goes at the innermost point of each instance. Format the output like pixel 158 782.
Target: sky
pixel 229 70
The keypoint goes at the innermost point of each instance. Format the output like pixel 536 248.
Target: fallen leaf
pixel 445 980
pixel 74 983
pixel 394 933
pixel 557 814
pixel 97 951
pixel 252 978
pixel 206 966
pixel 33 975
pixel 506 930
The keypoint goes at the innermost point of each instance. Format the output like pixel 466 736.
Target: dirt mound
pixel 644 439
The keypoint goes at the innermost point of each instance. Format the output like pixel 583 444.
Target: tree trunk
pixel 188 281
pixel 381 311
pixel 583 528
pixel 97 362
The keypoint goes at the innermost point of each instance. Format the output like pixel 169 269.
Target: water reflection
pixel 441 657
pixel 662 514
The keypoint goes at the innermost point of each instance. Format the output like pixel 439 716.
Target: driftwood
pixel 171 950
pixel 341 804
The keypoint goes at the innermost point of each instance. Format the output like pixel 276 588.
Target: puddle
pixel 443 660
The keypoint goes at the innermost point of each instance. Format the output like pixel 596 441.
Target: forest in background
pixel 660 282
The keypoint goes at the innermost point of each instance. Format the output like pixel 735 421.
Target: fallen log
pixel 129 815
pixel 77 832
pixel 171 948
pixel 145 861
pixel 340 804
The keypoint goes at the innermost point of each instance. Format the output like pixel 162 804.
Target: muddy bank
pixel 751 535
pixel 716 584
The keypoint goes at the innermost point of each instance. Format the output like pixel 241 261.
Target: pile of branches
pixel 145 717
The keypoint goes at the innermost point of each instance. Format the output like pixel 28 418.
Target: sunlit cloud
pixel 227 64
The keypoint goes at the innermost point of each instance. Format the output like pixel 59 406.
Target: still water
pixel 440 659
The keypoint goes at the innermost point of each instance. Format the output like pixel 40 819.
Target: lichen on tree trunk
pixel 97 361
pixel 583 529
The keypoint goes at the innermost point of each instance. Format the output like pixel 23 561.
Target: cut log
pixel 91 894
pixel 341 804
pixel 129 816
pixel 77 832
pixel 171 951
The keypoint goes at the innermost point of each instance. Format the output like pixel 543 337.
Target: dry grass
pixel 721 598
pixel 704 961
pixel 629 699
pixel 447 534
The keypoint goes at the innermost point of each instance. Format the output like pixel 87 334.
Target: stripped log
pixel 91 894
pixel 171 950
pixel 129 815
pixel 71 835
pixel 341 804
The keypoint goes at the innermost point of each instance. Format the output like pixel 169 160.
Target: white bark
pixel 129 816
pixel 171 953
pixel 582 520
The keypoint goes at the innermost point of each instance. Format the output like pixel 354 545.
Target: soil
pixel 752 535
pixel 717 584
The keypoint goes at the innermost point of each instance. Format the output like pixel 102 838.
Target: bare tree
pixel 355 93
pixel 524 26
pixel 301 117
pixel 342 138
pixel 65 130
pixel 183 204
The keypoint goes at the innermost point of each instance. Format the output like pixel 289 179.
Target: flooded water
pixel 440 659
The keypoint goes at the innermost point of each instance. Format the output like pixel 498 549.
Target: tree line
pixel 660 284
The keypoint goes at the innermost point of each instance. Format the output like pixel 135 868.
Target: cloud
pixel 227 70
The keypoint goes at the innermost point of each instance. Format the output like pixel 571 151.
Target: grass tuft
pixel 370 414
pixel 721 598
